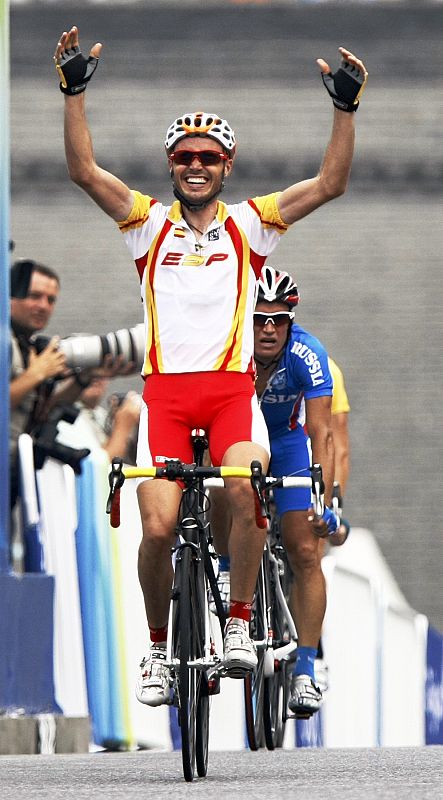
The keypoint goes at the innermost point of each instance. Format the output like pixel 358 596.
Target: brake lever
pixel 257 483
pixel 337 500
pixel 116 480
pixel 318 490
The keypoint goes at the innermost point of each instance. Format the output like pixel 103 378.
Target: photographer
pixel 41 382
pixel 34 292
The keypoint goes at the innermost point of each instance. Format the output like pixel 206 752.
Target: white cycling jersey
pixel 199 297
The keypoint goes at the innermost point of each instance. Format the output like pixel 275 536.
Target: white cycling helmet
pixel 275 286
pixel 200 123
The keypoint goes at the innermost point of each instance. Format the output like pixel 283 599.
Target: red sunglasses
pixel 278 319
pixel 207 158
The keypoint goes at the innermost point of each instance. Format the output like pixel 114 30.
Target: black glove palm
pixel 75 70
pixel 345 86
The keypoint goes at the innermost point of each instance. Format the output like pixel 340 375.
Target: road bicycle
pixel 195 663
pixel 267 690
pixel 191 651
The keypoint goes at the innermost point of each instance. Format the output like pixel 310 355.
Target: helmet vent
pixel 201 124
pixel 277 286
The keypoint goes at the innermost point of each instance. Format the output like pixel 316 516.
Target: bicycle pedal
pixel 298 716
pixel 238 673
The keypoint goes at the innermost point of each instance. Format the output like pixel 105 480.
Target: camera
pixel 85 351
pixel 46 444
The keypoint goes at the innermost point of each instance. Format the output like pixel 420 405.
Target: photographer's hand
pixel 126 417
pixel 47 364
pixel 50 362
pixel 129 411
pixel 111 368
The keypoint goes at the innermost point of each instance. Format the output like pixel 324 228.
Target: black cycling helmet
pixel 276 286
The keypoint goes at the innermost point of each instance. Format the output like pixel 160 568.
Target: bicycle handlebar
pixel 175 470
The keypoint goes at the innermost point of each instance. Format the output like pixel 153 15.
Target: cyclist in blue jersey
pixel 294 387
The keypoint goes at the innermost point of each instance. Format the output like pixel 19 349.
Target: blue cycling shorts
pixel 291 455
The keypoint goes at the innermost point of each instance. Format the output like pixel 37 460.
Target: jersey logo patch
pixel 279 380
pixel 214 236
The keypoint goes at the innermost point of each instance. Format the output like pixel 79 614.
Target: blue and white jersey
pixel 302 372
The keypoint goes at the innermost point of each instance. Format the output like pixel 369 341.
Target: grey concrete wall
pixel 368 265
pixel 34 734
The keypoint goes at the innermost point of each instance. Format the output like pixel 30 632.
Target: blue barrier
pixel 434 688
pixel 98 606
pixel 26 636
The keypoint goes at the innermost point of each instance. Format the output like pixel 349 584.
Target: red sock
pixel 240 610
pixel 158 635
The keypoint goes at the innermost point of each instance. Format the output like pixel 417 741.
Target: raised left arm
pixel 345 88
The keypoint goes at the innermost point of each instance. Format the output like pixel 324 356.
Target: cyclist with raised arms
pixel 198 261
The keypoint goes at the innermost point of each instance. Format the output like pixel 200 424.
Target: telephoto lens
pixel 84 351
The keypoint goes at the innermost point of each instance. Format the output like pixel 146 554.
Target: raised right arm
pixel 108 191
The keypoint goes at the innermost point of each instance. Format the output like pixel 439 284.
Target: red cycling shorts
pixel 224 404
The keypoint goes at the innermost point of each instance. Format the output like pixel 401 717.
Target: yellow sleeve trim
pixel 267 207
pixel 139 212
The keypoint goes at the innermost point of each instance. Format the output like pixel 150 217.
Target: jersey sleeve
pixel 139 212
pixel 308 365
pixel 139 227
pixel 340 402
pixel 261 226
pixel 268 211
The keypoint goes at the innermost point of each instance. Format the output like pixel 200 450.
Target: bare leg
pixel 246 540
pixel 221 520
pixel 308 596
pixel 159 502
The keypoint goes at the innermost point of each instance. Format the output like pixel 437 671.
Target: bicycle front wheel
pixel 193 707
pixel 276 684
pixel 254 683
pixel 202 731
pixel 274 717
